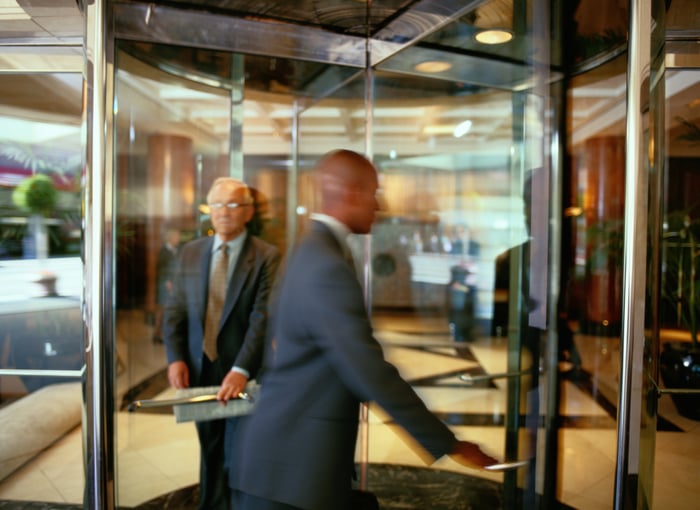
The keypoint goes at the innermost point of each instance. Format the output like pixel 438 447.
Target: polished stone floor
pixel 157 459
pixel 396 488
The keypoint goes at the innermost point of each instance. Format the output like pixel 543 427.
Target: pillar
pixel 603 207
pixel 169 196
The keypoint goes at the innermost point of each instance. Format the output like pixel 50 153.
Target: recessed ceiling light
pixel 494 36
pixel 462 129
pixel 433 66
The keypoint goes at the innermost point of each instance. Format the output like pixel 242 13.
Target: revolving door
pixel 468 142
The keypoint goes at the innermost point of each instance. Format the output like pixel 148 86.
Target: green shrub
pixel 36 194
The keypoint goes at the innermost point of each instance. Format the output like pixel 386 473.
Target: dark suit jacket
pixel 244 318
pixel 298 446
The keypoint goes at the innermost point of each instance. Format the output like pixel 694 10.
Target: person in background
pixel 215 322
pixel 165 269
pixel 296 450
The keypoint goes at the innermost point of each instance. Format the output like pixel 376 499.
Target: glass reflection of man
pixel 165 271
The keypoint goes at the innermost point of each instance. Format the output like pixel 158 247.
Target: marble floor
pixel 158 458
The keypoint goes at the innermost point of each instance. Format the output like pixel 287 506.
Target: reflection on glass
pixel 453 202
pixel 178 115
pixel 41 339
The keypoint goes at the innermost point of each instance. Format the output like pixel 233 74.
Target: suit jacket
pixel 241 335
pixel 298 446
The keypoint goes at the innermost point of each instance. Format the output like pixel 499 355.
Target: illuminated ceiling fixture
pixel 438 130
pixel 462 129
pixel 494 36
pixel 433 66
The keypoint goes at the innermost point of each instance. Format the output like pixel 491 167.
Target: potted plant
pixel 37 195
pixel 680 359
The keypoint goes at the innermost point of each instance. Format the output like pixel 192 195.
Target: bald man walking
pixel 297 449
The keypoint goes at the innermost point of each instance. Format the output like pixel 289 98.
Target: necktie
pixel 215 303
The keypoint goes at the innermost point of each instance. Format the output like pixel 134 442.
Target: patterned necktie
pixel 215 303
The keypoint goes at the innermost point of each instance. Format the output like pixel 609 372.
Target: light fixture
pixel 462 129
pixel 438 129
pixel 494 36
pixel 572 212
pixel 433 66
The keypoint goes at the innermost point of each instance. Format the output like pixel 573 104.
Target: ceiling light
pixel 494 36
pixel 438 130
pixel 433 66
pixel 462 129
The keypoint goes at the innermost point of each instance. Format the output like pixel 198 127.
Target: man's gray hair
pixel 236 183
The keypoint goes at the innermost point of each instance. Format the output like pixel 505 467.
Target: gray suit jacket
pixel 298 446
pixel 244 317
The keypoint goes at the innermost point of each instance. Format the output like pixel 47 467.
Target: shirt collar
pixel 340 231
pixel 233 244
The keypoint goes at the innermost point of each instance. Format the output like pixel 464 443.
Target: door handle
pixel 507 466
pixel 471 379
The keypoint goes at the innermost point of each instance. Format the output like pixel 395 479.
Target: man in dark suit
pixel 296 451
pixel 215 321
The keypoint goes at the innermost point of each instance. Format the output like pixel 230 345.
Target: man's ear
pixel 352 194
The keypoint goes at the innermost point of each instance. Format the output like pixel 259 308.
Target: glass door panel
pixel 455 250
pixel 41 338
pixel 166 157
pixel 184 117
pixel 454 204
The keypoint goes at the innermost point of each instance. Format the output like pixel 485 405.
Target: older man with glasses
pixel 215 321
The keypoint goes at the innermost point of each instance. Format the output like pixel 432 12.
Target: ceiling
pixel 415 111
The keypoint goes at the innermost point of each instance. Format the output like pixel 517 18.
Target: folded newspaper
pixel 200 404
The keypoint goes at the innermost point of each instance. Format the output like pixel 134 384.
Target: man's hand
pixel 178 375
pixel 470 455
pixel 233 384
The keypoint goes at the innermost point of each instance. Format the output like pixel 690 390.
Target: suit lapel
pixel 204 264
pixel 244 265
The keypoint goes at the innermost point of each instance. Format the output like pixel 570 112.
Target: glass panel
pixel 459 242
pixel 679 300
pixel 336 121
pixel 592 278
pixel 180 113
pixel 167 155
pixel 654 166
pixel 41 342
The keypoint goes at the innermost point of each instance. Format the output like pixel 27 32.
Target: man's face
pixel 229 222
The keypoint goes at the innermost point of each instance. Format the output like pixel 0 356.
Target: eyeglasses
pixel 228 205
